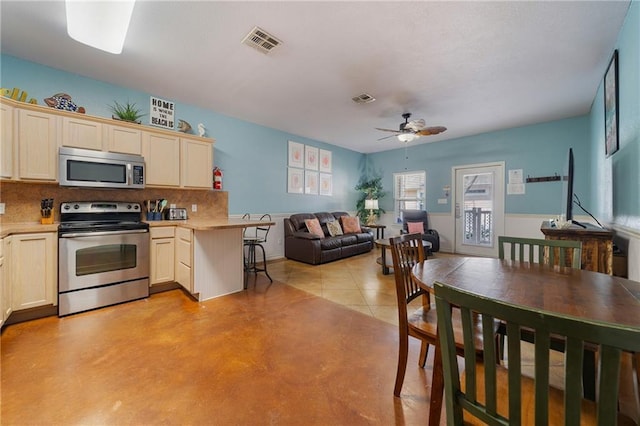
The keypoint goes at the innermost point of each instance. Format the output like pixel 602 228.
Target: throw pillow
pixel 334 228
pixel 415 227
pixel 313 226
pixel 350 224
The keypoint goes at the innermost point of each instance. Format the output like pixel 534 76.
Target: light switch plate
pixel 194 207
pixel 442 201
pixel 1 208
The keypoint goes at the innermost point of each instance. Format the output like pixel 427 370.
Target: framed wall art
pixel 326 184
pixel 310 182
pixel 611 107
pixel 295 181
pixel 296 154
pixel 310 157
pixel 325 161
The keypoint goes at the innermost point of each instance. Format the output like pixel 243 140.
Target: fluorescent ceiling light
pixel 99 24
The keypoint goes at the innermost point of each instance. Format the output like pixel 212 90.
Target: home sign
pixel 161 113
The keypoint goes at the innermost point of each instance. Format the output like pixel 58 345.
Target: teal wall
pixel 253 157
pixel 539 150
pixel 616 180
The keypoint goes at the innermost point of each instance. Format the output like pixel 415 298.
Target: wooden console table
pixel 597 244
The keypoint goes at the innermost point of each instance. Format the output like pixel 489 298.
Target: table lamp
pixel 371 205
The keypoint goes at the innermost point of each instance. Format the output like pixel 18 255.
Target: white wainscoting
pixel 517 225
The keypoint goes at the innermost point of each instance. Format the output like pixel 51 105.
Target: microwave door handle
pixel 129 174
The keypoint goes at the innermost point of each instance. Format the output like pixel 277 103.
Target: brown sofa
pixel 301 245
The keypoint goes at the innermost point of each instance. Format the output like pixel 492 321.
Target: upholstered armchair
pixel 412 219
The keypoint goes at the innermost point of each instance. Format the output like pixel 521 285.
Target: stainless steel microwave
pixel 98 169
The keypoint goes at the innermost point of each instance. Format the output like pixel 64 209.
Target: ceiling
pixel 473 67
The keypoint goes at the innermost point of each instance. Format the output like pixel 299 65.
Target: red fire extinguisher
pixel 217 178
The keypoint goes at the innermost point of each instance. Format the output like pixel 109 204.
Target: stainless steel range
pixel 103 255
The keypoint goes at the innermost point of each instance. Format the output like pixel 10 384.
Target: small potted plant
pixel 126 112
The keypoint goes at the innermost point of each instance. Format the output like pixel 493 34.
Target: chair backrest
pixel 247 232
pixel 612 339
pixel 563 252
pixel 407 251
pixel 414 216
pixel 263 230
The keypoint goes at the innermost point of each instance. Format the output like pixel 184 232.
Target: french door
pixel 479 208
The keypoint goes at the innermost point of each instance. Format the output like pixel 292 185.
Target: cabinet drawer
pixel 184 234
pixel 183 252
pixel 162 232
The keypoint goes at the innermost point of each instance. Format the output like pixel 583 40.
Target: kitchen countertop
pixel 210 224
pixel 195 224
pixel 26 228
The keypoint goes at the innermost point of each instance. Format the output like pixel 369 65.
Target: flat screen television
pixel 567 188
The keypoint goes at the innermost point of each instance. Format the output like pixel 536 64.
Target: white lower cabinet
pixel 184 258
pixel 5 284
pixel 33 268
pixel 162 255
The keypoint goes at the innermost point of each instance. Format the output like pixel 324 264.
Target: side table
pixel 387 263
pixel 379 230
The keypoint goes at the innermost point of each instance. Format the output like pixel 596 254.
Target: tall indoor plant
pixel 370 187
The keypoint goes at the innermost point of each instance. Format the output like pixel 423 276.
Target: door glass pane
pixel 111 257
pixel 477 200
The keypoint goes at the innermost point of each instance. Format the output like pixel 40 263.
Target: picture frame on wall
pixel 295 181
pixel 310 182
pixel 326 184
pixel 310 157
pixel 611 106
pixel 296 154
pixel 325 161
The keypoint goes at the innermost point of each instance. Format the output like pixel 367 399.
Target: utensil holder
pixel 157 216
pixel 46 220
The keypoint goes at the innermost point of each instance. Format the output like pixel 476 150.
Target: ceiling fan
pixel 411 130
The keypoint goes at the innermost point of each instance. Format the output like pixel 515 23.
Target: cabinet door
pixel 162 159
pixel 6 135
pixel 184 258
pixel 162 255
pixel 6 280
pixel 81 133
pixel 33 270
pixel 123 140
pixel 38 145
pixel 197 164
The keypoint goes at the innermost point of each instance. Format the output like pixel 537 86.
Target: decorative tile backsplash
pixel 22 200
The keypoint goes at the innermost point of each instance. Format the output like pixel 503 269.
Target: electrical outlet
pixel 194 207
pixel 172 206
pixel 1 208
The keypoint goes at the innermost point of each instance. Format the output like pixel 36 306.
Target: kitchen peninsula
pixel 208 254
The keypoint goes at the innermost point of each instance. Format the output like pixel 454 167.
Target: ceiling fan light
pixel 406 137
pixel 99 24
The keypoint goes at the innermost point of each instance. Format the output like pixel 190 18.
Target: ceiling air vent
pixel 261 40
pixel 363 98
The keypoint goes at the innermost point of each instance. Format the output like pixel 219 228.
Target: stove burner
pixel 100 216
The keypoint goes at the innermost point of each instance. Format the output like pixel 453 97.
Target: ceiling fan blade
pixel 387 130
pixel 415 125
pixel 387 137
pixel 433 130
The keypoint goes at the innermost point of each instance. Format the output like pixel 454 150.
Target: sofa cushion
pixel 348 240
pixel 334 228
pixel 350 224
pixel 297 221
pixel 364 237
pixel 313 226
pixel 415 227
pixel 331 243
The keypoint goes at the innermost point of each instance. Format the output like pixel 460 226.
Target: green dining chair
pixel 501 396
pixel 548 251
pixel 566 253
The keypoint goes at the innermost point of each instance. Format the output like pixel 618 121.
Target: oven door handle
pixel 99 234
